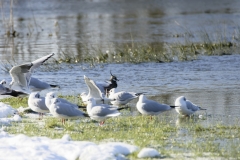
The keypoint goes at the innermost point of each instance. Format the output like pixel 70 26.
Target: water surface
pixel 43 27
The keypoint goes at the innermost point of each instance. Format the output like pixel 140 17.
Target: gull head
pixel 51 95
pixel 54 101
pixel 3 82
pixel 91 101
pixel 83 94
pixel 142 98
pixel 180 101
pixel 35 94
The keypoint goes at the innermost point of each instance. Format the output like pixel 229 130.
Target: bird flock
pixel 101 102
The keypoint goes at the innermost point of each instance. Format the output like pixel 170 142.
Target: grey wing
pixel 18 74
pixel 68 110
pixel 94 91
pixel 41 103
pixel 103 85
pixel 122 96
pixel 191 106
pixel 38 84
pixel 103 111
pixel 153 106
pixel 100 87
pixel 40 61
pixel 37 63
pixel 66 101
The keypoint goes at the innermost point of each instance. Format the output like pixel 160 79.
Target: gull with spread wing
pixel 93 92
pixel 21 74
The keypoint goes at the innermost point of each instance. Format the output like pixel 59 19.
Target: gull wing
pixel 191 106
pixel 93 90
pixel 100 111
pixel 21 74
pixel 37 63
pixel 18 74
pixel 123 96
pixel 153 106
pixel 68 110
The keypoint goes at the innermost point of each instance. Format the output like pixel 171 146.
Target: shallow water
pixel 55 26
pixel 211 82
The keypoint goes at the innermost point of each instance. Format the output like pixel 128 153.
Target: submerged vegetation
pixel 172 136
pixel 137 52
pixel 143 52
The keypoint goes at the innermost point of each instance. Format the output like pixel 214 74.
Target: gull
pixel 37 85
pixel 51 95
pixel 7 91
pixel 21 74
pixel 185 107
pixel 37 103
pixel 101 112
pixel 93 92
pixel 150 107
pixel 65 110
pixel 122 98
pixel 106 86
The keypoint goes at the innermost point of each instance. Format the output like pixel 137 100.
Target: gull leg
pixel 63 121
pixel 101 123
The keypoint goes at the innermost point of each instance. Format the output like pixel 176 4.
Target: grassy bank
pixel 173 137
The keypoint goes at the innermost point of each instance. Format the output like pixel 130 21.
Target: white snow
pixel 7 121
pixel 24 147
pixel 148 153
pixel 6 110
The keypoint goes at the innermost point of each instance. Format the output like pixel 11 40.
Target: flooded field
pixel 55 26
pixel 38 28
pixel 212 82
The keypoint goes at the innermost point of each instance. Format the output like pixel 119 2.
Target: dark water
pixel 43 27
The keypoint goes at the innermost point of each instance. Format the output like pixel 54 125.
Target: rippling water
pixel 52 26
pixel 44 27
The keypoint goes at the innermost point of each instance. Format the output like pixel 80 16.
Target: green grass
pixel 188 137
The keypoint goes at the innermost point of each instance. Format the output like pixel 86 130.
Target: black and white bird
pixel 93 92
pixel 185 107
pixel 106 86
pixel 21 74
